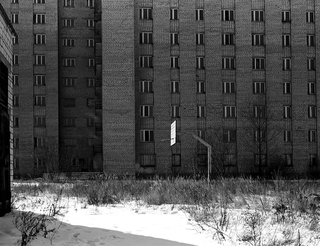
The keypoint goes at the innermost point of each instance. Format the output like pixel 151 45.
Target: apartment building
pixel 6 162
pixel 242 75
pixel 56 105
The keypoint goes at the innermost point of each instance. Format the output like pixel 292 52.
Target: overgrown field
pixel 235 211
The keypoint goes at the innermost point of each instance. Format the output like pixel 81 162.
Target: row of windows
pixel 40 121
pixel 66 3
pixel 226 15
pixel 228 111
pixel 227 87
pixel 229 63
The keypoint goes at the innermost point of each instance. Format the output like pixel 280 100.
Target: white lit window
pixel 68 82
pixel 258 39
pixel 175 87
pixel 90 3
pixel 146 136
pixel 68 3
pixel 228 39
pixel 69 62
pixel 68 42
pixel 259 88
pixel 257 15
pixel 311 64
pixel 201 111
pixel 199 14
pixel 40 60
pixel 173 14
pixel 90 42
pixel 68 22
pixel 310 17
pixel 145 13
pixel 286 88
pixel 146 61
pixel 174 62
pixel 227 15
pixel 39 79
pixel 258 63
pixel 312 111
pixel 90 23
pixel 200 62
pixel 40 101
pixel 229 111
pixel 146 110
pixel 286 64
pixel 228 63
pixel 229 135
pixel 200 38
pixel 40 39
pixel 39 18
pixel 310 40
pixel 39 121
pixel 286 16
pixel 286 40
pixel 146 38
pixel 287 136
pixel 14 18
pixel 287 112
pixel 174 38
pixel 146 86
pixel 201 87
pixel 312 135
pixel 311 88
pixel 175 111
pixel 228 87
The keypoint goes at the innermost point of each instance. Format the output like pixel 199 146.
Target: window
pixel 201 134
pixel 201 110
pixel 68 22
pixel 16 163
pixel 40 60
pixel 69 82
pixel 15 100
pixel 148 160
pixel 227 15
pixel 286 64
pixel 173 14
pixel 199 14
pixel 257 15
pixel 39 18
pixel 260 159
pixel 68 3
pixel 146 61
pixel 175 87
pixel 287 136
pixel 15 39
pixel 287 159
pixel 14 1
pixel 259 88
pixel 39 164
pixel 70 142
pixel 174 62
pixel 311 88
pixel 311 64
pixel 200 38
pixel 201 87
pixel 287 112
pixel 38 142
pixel 14 18
pixel 310 17
pixel 311 40
pixel 40 39
pixel 313 160
pixel 39 121
pixel 228 39
pixel 175 111
pixel 90 42
pixel 90 3
pixel 146 86
pixel 68 42
pixel 258 63
pixel 228 63
pixel 15 79
pixel 90 23
pixel 91 102
pixel 200 62
pixel 176 160
pixel 259 136
pixel 286 16
pixel 228 87
pixel 258 39
pixel 39 1
pixel 90 122
pixel 40 101
pixel 229 111
pixel 90 62
pixel 312 135
pixel 39 79
pixel 15 121
pixel 146 110
pixel 286 88
pixel 202 160
pixel 174 38
pixel 145 14
pixel 229 136
pixel 16 143
pixel 146 136
pixel 69 62
pixel 286 40
pixel 15 59
pixel 312 111
pixel 259 111
pixel 230 159
pixel 69 122
pixel 91 82
pixel 146 38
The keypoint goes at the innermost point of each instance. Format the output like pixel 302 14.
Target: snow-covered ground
pixel 128 224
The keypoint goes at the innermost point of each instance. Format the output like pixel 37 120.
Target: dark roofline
pixel 7 20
